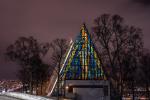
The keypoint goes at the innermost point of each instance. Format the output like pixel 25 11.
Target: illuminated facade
pixel 83 62
pixel 80 69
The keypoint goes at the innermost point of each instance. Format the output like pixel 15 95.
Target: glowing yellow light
pixel 67 87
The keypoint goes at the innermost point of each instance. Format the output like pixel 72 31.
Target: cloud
pixel 142 2
pixel 50 19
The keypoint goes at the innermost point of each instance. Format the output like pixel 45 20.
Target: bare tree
pixel 28 53
pixel 59 47
pixel 114 40
pixel 145 67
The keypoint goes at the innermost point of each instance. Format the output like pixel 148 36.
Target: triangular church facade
pixel 83 62
pixel 80 69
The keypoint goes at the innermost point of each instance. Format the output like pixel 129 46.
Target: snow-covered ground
pixel 24 96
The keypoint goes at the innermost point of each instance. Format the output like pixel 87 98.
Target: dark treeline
pixel 122 56
pixel 34 73
pixel 59 49
pixel 28 53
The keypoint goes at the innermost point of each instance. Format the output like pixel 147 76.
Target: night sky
pixel 50 19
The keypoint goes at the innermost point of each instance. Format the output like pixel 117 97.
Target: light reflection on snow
pixel 24 96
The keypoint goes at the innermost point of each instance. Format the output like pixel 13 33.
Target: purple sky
pixel 50 19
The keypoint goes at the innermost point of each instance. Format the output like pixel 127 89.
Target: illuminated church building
pixel 82 76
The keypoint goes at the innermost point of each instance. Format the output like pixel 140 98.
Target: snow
pixel 24 96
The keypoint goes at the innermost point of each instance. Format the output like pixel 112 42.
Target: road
pixel 2 97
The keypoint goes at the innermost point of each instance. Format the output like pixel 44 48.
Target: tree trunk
pixel 58 88
pixel 121 89
pixel 121 84
pixel 31 84
pixel 133 93
pixel 147 90
pixel 36 88
pixel 41 87
pixel 58 82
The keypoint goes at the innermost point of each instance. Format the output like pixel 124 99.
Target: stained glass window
pixel 83 62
